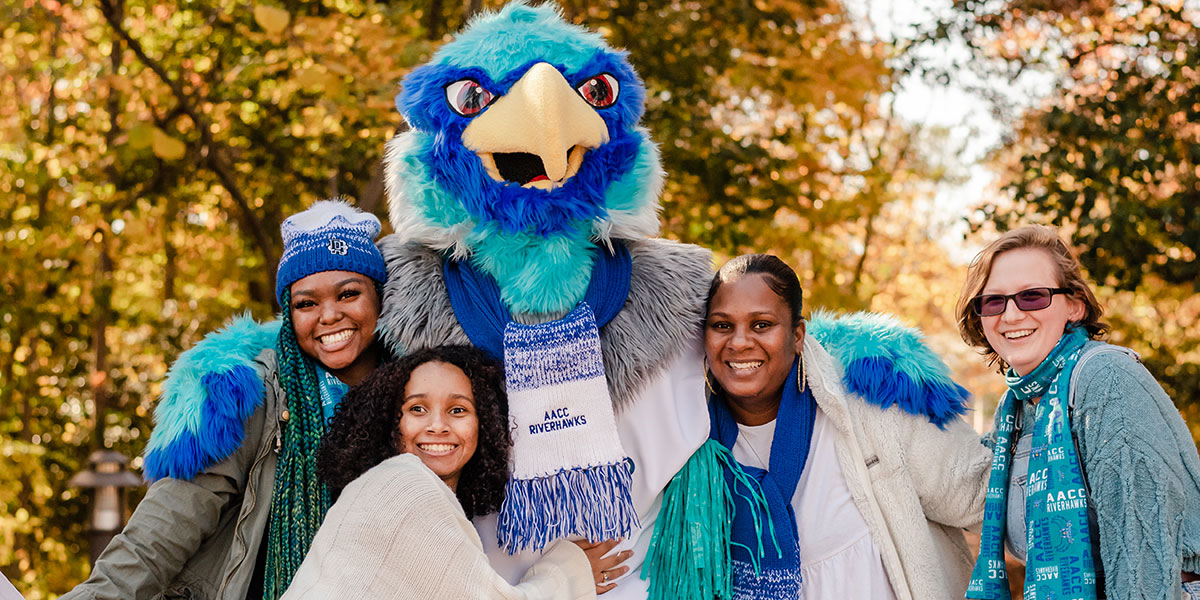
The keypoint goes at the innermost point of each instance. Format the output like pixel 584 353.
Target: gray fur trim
pixel 662 314
pixel 416 308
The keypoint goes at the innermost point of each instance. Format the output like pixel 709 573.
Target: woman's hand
pixel 604 568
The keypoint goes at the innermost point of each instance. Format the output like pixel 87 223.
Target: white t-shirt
pixel 838 557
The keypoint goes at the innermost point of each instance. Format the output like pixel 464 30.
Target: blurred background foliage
pixel 149 151
pixel 1111 156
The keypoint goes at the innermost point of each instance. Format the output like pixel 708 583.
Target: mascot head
pixel 524 153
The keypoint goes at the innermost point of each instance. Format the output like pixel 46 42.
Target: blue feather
pixel 210 392
pixel 888 363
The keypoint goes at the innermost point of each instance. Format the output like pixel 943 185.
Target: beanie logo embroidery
pixel 330 236
pixel 338 246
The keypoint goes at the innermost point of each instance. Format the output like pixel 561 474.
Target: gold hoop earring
pixel 708 386
pixel 801 377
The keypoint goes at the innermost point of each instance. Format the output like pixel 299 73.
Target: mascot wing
pixel 210 392
pixel 888 363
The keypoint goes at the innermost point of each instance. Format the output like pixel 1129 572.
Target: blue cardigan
pixel 1144 473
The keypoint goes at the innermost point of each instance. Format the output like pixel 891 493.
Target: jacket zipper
pixel 239 528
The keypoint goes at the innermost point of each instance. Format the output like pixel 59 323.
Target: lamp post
pixel 108 478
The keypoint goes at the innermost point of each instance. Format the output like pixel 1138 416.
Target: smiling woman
pixel 1093 465
pixel 833 495
pixel 334 314
pixel 438 421
pixel 236 500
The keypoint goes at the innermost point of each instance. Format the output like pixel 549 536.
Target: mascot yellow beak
pixel 537 133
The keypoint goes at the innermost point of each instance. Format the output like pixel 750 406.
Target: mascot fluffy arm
pixel 887 363
pixel 210 392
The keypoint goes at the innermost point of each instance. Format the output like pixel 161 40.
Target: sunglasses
pixel 990 305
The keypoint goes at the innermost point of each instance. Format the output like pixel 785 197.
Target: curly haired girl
pixel 420 446
pixel 367 431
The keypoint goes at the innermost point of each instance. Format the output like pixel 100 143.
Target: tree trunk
pixel 26 419
pixel 171 254
pixel 373 193
pixel 101 316
pixel 103 286
pixel 45 183
pixel 856 284
pixel 433 20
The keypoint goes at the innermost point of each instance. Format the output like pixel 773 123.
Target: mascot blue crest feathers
pixel 524 155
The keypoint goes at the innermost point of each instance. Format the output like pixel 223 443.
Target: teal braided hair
pixel 300 499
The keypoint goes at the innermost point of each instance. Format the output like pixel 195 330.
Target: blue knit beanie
pixel 330 236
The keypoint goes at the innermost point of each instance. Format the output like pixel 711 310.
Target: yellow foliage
pixel 141 136
pixel 167 147
pixel 273 20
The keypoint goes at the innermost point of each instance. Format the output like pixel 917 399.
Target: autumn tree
pixel 1112 155
pixel 148 154
pixel 776 126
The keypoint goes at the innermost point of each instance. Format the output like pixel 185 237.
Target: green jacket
pixel 199 538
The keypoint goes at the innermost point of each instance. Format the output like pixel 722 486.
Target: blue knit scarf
pixel 772 571
pixel 475 297
pixel 569 474
pixel 1060 562
pixel 332 390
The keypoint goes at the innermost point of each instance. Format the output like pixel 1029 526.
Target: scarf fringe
pixel 690 551
pixel 592 502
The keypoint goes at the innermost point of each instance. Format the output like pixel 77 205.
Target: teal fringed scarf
pixel 774 571
pixel 1060 564
pixel 726 530
pixel 689 555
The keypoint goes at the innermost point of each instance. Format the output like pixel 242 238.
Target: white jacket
pixel 917 486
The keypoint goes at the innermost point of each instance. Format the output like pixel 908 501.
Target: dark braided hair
pixel 365 429
pixel 298 493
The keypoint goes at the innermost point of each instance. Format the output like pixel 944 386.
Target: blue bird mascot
pixel 525 201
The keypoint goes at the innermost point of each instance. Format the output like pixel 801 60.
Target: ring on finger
pixel 603 577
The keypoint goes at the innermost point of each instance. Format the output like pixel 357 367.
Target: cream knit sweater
pixel 398 532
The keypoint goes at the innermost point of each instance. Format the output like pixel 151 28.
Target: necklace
pixel 750 439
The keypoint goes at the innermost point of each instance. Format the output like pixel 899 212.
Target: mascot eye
pixel 600 91
pixel 467 97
